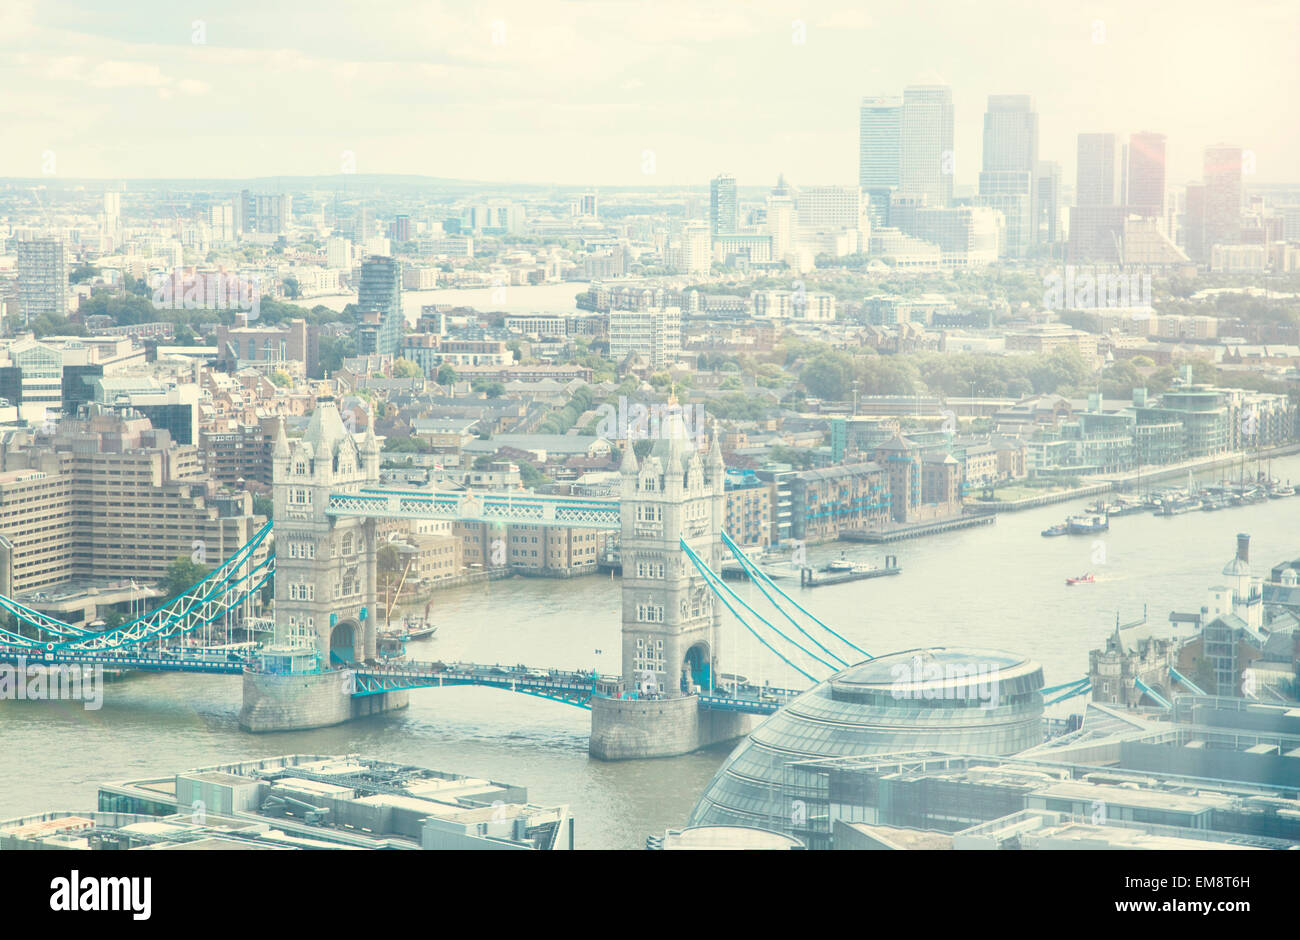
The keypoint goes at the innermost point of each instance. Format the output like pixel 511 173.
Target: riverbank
pixel 1105 483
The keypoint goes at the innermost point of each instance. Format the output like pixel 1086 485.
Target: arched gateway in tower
pixel 672 622
pixel 324 580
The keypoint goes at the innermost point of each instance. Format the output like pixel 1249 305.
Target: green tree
pixel 406 369
pixel 490 389
pixel 181 575
pixel 446 374
pixel 263 506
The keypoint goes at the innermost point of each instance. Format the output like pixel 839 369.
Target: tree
pixel 281 379
pixel 291 288
pixel 827 375
pixel 446 374
pixel 263 506
pixel 406 369
pixel 182 574
pixel 490 389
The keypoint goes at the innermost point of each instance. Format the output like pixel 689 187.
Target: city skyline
pixel 756 91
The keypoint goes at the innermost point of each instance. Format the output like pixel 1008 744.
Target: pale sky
pixel 595 92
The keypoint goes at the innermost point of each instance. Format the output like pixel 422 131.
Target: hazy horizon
pixel 582 94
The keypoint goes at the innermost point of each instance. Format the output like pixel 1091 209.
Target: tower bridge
pixel 322 667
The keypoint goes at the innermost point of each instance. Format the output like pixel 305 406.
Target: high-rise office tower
pixel 399 230
pixel 379 306
pixel 1095 180
pixel 880 126
pixel 780 221
pixel 1222 196
pixel 1146 175
pixel 1010 166
pixel 112 215
pixel 1010 134
pixel 1194 242
pixel 42 278
pixel 585 206
pixel 1047 201
pixel 1097 217
pixel 724 212
pixel 925 143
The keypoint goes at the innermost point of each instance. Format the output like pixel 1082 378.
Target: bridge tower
pixel 325 578
pixel 672 623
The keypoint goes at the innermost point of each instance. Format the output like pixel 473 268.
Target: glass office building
pixel 949 699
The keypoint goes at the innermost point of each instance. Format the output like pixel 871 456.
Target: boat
pixel 842 570
pixel 1088 578
pixel 1087 524
pixel 421 632
pixel 1278 492
pixel 842 565
pixel 1059 529
pixel 1176 506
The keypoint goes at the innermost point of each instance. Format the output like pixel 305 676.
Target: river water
pixel 529 298
pixel 1001 586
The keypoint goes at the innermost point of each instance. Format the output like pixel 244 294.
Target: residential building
pixel 42 278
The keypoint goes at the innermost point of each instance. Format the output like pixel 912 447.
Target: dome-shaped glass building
pixel 965 701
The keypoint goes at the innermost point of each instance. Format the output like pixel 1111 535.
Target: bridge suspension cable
pixel 714 582
pixel 202 603
pixel 758 574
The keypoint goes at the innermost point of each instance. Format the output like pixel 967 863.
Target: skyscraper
pixel 1194 242
pixel 1146 174
pixel 379 305
pixel 1047 201
pixel 1010 134
pixel 42 278
pixel 1222 196
pixel 925 143
pixel 1097 217
pixel 1010 165
pixel 724 212
pixel 879 143
pixel 1095 181
pixel 112 216
pixel 780 218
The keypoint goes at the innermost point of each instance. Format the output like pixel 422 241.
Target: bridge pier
pixel 635 729
pixel 298 702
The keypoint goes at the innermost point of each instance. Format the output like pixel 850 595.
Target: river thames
pixel 1000 586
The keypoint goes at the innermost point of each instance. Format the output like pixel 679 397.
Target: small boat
pixel 1059 529
pixel 1082 579
pixel 421 632
pixel 842 564
pixel 1087 524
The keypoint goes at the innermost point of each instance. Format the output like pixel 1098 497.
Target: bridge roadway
pixel 575 687
pixel 164 661
pixel 571 687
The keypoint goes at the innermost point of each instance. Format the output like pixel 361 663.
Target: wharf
pixel 897 533
pixel 808 577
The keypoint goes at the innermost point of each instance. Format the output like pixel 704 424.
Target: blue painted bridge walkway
pixel 576 687
pixel 572 688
